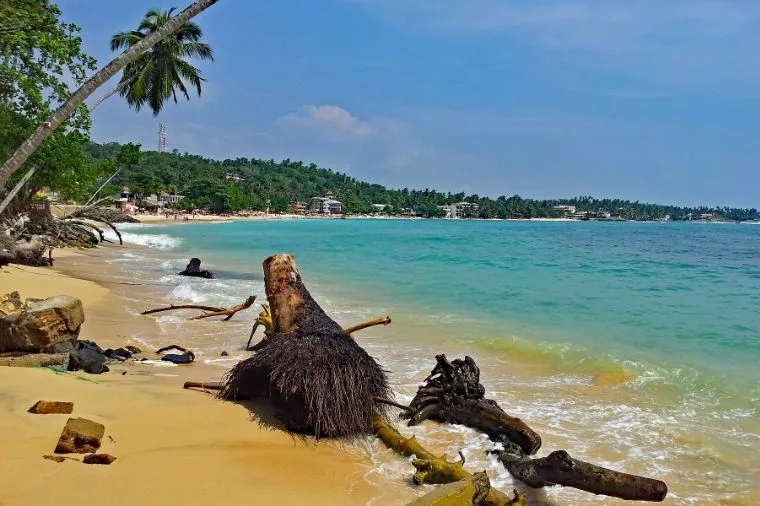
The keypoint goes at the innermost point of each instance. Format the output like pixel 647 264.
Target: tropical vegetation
pixel 236 184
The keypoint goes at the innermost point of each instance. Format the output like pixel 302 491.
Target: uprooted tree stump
pixel 453 393
pixel 320 379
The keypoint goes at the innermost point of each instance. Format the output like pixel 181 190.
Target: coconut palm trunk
pixel 88 88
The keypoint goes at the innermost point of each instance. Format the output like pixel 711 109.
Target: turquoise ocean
pixel 633 345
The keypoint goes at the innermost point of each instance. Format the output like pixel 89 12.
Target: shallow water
pixel 632 345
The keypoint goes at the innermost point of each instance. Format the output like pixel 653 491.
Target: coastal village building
pixel 297 208
pixel 460 210
pixel 231 176
pixel 326 205
pixel 170 199
pixel 378 208
pixel 566 210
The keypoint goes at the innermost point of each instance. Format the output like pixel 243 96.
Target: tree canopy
pixel 162 72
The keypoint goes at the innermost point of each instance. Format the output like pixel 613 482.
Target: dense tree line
pixel 204 182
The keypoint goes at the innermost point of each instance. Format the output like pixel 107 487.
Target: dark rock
pixel 194 269
pixel 118 354
pixel 65 347
pixel 225 354
pixel 134 350
pixel 89 357
pixel 80 435
pixel 39 326
pixel 52 408
pixel 99 458
pixel 185 358
pixel 54 458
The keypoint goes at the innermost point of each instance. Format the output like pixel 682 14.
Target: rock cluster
pixel 44 333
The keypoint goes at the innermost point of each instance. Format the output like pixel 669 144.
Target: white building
pixel 459 210
pixel 326 205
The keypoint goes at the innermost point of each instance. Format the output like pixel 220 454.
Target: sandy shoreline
pixel 173 446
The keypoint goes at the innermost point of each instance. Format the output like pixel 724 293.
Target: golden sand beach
pixel 173 446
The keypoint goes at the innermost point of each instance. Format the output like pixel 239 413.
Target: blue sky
pixel 655 100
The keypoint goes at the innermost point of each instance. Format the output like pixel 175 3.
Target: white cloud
pixel 331 121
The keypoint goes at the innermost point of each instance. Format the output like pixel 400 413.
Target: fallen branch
pixel 466 492
pixel 432 469
pixel 379 321
pixel 183 306
pixel 210 311
pixel 230 311
pixel 559 468
pixel 214 385
pixel 265 320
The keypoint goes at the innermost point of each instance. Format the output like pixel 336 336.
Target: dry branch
pixel 228 312
pixel 209 310
pixel 379 321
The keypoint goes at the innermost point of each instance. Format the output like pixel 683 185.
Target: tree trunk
pixel 559 468
pixel 8 198
pixel 101 77
pixel 101 187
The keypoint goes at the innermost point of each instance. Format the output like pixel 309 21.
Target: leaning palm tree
pixel 161 72
pixel 69 106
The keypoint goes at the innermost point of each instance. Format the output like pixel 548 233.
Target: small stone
pixel 80 435
pixel 99 458
pixel 134 350
pixel 54 458
pixel 52 408
pixel 225 354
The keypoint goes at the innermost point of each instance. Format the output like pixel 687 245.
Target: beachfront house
pixel 565 210
pixel 378 208
pixel 460 210
pixel 297 207
pixel 326 205
pixel 170 199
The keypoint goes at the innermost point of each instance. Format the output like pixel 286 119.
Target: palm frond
pixel 197 50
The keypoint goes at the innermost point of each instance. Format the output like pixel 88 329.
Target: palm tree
pixel 99 79
pixel 160 73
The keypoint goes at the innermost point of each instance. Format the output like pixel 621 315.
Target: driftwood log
pixel 453 393
pixel 209 311
pixel 321 380
pixel 466 492
pixel 432 469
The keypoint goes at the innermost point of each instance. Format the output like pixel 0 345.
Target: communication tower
pixel 161 138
